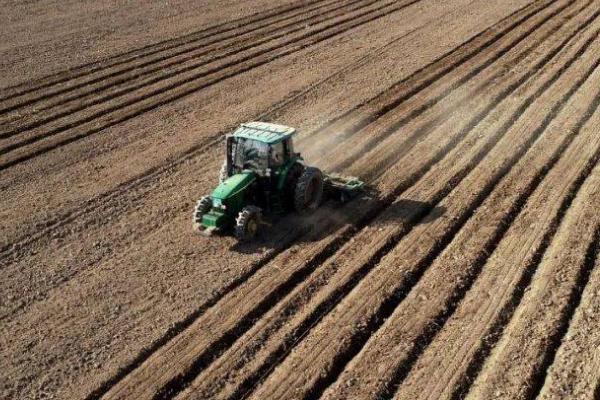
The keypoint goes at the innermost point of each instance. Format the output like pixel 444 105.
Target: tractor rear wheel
pixel 202 207
pixel 309 190
pixel 246 224
pixel 291 181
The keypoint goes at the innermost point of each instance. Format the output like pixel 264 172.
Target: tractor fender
pixel 286 169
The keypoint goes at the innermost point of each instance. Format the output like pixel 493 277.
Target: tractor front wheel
pixel 291 181
pixel 309 190
pixel 246 224
pixel 202 207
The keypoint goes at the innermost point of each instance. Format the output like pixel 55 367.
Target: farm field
pixel 470 268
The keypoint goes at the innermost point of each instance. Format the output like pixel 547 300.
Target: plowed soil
pixel 470 268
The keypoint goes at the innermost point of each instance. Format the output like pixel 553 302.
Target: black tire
pixel 223 172
pixel 291 181
pixel 247 223
pixel 308 192
pixel 202 207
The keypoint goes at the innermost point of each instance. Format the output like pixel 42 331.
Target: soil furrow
pixel 449 103
pixel 199 360
pixel 575 371
pixel 471 257
pixel 470 333
pixel 207 383
pixel 102 217
pixel 105 211
pixel 134 77
pixel 350 123
pixel 62 78
pixel 159 171
pixel 59 134
pixel 469 79
pixel 541 320
pixel 472 77
pixel 342 332
pixel 171 70
pixel 395 347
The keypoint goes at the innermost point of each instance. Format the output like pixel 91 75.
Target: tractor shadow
pixel 283 232
pixel 410 212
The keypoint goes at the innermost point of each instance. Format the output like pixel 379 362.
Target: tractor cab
pixel 260 147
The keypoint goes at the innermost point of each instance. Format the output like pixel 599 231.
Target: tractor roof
pixel 264 132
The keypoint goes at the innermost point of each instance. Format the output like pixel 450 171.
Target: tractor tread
pixel 305 200
pixel 242 221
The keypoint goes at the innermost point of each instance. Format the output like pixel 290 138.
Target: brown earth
pixel 469 268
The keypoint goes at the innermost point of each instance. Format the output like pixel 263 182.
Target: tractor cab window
pixel 250 154
pixel 289 147
pixel 277 154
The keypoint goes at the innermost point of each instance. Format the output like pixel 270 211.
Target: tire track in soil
pixel 352 122
pixel 310 257
pixel 133 196
pixel 422 119
pixel 140 61
pixel 148 50
pixel 497 330
pixel 432 300
pixel 56 135
pixel 473 343
pixel 131 78
pixel 156 173
pixel 160 171
pixel 328 353
pixel 173 68
pixel 574 372
pixel 542 319
pixel 242 352
pixel 115 213
pixel 416 9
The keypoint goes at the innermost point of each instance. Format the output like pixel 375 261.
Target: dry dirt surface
pixel 469 269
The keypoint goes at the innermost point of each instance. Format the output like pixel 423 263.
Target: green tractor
pixel 262 174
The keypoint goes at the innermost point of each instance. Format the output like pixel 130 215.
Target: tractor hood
pixel 233 185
